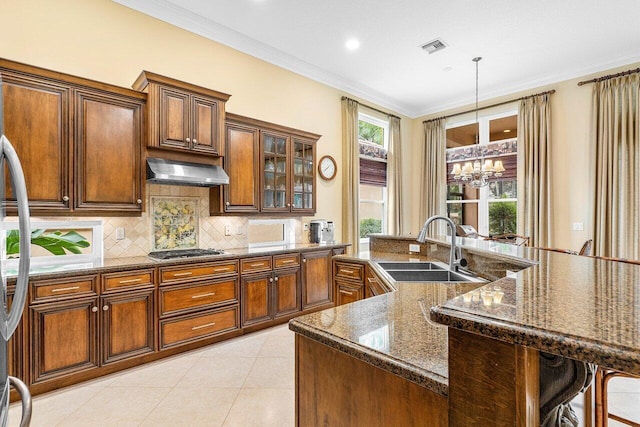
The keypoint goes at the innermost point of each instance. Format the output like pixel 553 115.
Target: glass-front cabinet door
pixel 275 190
pixel 303 176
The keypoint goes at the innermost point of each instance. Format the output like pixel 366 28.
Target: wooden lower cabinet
pixel 286 292
pixel 127 325
pixel 335 389
pixel 372 284
pixel 256 299
pixel 347 292
pixel 317 288
pixel 189 328
pixel 64 338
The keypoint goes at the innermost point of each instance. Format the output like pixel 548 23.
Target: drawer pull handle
pixel 70 288
pixel 206 325
pixel 346 292
pixel 346 270
pixel 222 269
pixel 288 261
pixel 372 280
pixel 209 294
pixel 257 264
pixel 122 282
pixel 186 273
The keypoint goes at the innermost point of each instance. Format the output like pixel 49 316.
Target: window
pixel 492 209
pixel 373 134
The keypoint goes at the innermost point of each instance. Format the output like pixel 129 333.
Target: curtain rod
pixel 369 107
pixel 549 92
pixel 610 76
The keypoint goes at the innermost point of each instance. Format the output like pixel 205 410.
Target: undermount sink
pixel 425 272
pixel 410 266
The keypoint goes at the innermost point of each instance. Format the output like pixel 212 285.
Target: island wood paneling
pixel 491 382
pixel 335 389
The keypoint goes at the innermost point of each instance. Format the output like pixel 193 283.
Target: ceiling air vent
pixel 433 46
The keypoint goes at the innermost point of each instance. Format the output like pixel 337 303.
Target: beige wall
pixel 105 41
pixel 571 155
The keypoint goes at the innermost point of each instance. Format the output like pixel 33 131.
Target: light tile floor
pixel 245 381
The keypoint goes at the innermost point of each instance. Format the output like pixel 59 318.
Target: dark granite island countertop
pixel 582 308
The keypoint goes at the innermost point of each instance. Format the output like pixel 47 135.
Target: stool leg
pixel 600 417
pixel 588 407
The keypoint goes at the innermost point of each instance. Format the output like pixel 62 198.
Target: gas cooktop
pixel 184 253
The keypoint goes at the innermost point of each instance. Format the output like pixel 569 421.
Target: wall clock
pixel 327 168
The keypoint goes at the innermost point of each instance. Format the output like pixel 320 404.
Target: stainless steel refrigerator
pixel 10 318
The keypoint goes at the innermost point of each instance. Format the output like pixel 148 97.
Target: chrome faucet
pixel 455 258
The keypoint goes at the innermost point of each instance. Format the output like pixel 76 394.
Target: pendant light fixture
pixel 477 173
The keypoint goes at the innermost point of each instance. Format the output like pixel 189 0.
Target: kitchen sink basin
pixel 425 272
pixel 410 266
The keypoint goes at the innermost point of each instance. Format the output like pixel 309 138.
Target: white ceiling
pixel 524 44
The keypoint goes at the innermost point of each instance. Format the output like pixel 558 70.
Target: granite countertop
pixel 108 265
pixel 391 331
pixel 577 307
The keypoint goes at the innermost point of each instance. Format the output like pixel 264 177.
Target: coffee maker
pixel 321 231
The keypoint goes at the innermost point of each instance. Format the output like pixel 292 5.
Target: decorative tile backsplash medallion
pixel 175 223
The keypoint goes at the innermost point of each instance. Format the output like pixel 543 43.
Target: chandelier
pixel 477 174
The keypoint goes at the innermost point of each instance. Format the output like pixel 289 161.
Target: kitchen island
pixel 485 365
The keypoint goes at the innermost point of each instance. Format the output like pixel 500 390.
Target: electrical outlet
pixel 434 248
pixel 120 233
pixel 227 230
pixel 305 226
pixel 578 226
pixel 414 248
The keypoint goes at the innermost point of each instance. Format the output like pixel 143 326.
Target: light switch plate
pixel 120 233
pixel 434 248
pixel 227 230
pixel 578 226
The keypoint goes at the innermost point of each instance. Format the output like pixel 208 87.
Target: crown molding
pixel 189 21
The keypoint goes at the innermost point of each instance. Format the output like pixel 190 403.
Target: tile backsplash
pixel 137 241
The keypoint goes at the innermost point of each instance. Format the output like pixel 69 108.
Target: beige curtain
pixel 616 136
pixel 394 178
pixel 433 189
pixel 351 175
pixel 534 170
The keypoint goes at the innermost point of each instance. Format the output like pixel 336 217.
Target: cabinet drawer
pixel 256 264
pixel 285 261
pixel 177 299
pixel 127 280
pixel 349 271
pixel 191 328
pixel 374 287
pixel 64 288
pixel 197 271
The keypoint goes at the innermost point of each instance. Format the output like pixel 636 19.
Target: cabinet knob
pixel 288 205
pixel 188 139
pixel 304 260
pixel 271 280
pixel 139 201
pixel 227 203
pixel 94 309
pixel 65 198
pixel 195 142
pixel 105 307
pixel 276 278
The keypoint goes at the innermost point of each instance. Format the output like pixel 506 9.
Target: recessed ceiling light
pixel 447 69
pixel 352 44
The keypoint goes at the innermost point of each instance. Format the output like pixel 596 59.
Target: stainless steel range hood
pixel 162 171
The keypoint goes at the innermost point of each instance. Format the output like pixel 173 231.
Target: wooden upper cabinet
pixel 271 169
pixel 242 163
pixel 182 116
pixel 78 140
pixel 36 119
pixel 108 152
